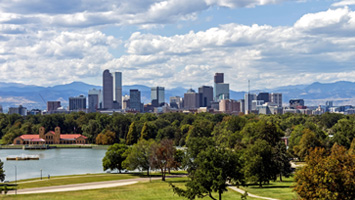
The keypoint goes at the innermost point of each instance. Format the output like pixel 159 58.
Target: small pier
pixel 23 157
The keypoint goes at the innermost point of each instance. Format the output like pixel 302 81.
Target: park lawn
pixel 277 189
pixel 73 179
pixel 154 190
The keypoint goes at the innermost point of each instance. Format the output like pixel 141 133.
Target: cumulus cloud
pixel 344 3
pixel 88 13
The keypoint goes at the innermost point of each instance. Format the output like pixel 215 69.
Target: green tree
pixel 282 160
pixel 2 171
pixel 214 167
pixel 259 163
pixel 139 156
pixel 132 135
pixel 114 157
pixel 327 176
pixel 308 140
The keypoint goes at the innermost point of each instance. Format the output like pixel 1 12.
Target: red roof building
pixel 51 137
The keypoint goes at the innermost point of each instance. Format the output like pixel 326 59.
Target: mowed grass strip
pixel 154 190
pixel 277 189
pixel 74 179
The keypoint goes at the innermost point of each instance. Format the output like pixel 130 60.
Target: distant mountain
pixel 30 96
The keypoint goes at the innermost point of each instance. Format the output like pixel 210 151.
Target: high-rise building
pixel 176 102
pixel 276 98
pixel 135 100
pixel 18 110
pixel 94 100
pixel 206 96
pixel 248 99
pixel 219 78
pixel 221 89
pixel 229 106
pixel 53 105
pixel 77 103
pixel 117 88
pixel 191 99
pixel 265 96
pixel 107 83
pixel 125 102
pixel 157 96
pixel 1 111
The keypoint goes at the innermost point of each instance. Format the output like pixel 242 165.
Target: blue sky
pixel 178 43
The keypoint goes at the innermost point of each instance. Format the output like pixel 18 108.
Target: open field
pixel 278 190
pixel 141 191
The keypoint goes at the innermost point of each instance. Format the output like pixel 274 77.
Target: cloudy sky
pixel 178 43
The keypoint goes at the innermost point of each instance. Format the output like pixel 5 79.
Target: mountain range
pixel 31 96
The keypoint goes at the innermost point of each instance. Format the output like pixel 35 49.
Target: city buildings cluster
pixel 214 99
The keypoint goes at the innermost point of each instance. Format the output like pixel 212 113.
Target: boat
pixel 23 157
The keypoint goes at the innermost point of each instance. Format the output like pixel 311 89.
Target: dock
pixel 23 157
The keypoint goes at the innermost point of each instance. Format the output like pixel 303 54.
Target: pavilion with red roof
pixel 51 137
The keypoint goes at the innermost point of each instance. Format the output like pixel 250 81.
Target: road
pixel 81 186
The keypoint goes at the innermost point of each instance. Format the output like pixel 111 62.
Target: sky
pixel 178 43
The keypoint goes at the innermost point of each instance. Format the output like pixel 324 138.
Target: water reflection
pixel 53 162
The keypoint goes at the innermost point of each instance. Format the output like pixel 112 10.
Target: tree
pixel 139 156
pixel 282 160
pixel 308 140
pixel 132 134
pixel 259 165
pixel 162 156
pixel 114 157
pixel 215 166
pixel 2 171
pixel 327 176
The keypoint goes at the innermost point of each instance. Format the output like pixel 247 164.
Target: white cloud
pixel 344 3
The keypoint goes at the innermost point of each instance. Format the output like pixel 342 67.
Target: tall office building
pixel 157 96
pixel 77 103
pixel 176 102
pixel 135 100
pixel 248 99
pixel 107 83
pixel 276 98
pixel 18 110
pixel 117 88
pixel 53 105
pixel 221 89
pixel 191 99
pixel 206 96
pixel 264 96
pixel 94 100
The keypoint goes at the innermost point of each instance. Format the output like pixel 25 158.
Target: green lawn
pixel 74 179
pixel 155 190
pixel 278 190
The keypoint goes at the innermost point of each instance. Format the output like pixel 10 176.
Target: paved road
pixel 250 195
pixel 81 186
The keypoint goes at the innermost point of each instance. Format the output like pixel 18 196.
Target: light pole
pixel 16 178
pixel 41 174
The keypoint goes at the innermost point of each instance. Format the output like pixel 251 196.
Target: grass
pixel 141 191
pixel 74 179
pixel 277 189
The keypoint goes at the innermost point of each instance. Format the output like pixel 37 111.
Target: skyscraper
pixel 77 103
pixel 220 89
pixel 248 99
pixel 117 88
pixel 52 105
pixel 191 99
pixel 265 96
pixel 276 98
pixel 135 100
pixel 157 96
pixel 107 84
pixel 206 96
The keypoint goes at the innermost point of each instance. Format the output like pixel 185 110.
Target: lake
pixel 53 162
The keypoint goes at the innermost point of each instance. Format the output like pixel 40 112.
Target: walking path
pixel 250 195
pixel 82 186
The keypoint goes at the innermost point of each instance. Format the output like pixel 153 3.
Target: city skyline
pixel 272 43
